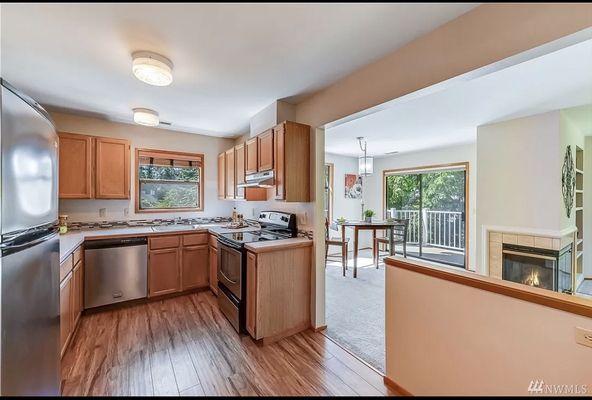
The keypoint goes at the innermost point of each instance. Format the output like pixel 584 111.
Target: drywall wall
pixel 570 135
pixel 270 116
pixel 588 207
pixel 374 191
pixel 444 338
pixel 519 166
pixel 485 35
pixel 150 138
pixel 342 207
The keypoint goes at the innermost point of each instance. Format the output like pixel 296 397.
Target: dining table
pixel 374 226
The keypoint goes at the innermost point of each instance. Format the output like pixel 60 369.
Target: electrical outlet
pixel 126 212
pixel 102 212
pixel 584 336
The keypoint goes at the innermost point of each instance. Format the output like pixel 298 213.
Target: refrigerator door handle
pixel 9 246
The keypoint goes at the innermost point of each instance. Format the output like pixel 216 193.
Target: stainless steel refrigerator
pixel 29 288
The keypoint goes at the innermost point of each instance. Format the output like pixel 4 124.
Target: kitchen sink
pixel 178 227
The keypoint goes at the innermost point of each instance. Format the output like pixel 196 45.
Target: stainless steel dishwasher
pixel 115 270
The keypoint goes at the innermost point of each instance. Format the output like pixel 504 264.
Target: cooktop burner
pixel 249 237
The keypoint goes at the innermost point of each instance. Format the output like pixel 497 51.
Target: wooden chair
pixel 399 236
pixel 342 242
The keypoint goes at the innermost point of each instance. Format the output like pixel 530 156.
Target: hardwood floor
pixel 184 346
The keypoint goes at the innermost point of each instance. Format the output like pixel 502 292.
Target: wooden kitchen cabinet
pixel 251 162
pixel 292 162
pixel 239 177
pixel 163 272
pixel 265 151
pixel 230 172
pixel 112 168
pixel 66 320
pixel 213 253
pixel 195 267
pixel 93 167
pixel 278 292
pixel 222 175
pixel 77 292
pixel 71 296
pixel 76 166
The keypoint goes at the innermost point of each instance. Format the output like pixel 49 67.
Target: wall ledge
pixel 559 301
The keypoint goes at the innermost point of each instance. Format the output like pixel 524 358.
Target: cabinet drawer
pixel 164 242
pixel 213 241
pixel 66 267
pixel 195 239
pixel 77 256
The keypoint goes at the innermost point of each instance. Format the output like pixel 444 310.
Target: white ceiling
pixel 554 81
pixel 230 60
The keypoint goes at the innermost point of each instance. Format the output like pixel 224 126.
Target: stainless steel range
pixel 232 260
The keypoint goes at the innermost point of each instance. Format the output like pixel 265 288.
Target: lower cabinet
pixel 71 297
pixel 163 272
pixel 177 263
pixel 195 270
pixel 214 269
pixel 65 312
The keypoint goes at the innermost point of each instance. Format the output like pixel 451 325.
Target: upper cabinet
pixel 93 167
pixel 265 151
pixel 239 161
pixel 222 175
pixel 76 166
pixel 292 162
pixel 112 168
pixel 230 172
pixel 285 149
pixel 251 163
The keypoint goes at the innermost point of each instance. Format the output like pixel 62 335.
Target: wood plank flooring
pixel 184 346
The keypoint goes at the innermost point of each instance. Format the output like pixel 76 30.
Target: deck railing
pixel 440 228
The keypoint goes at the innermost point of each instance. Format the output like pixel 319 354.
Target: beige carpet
pixel 355 308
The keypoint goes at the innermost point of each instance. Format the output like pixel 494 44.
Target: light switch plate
pixel 584 336
pixel 102 212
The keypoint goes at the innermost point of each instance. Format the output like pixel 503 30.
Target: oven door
pixel 230 262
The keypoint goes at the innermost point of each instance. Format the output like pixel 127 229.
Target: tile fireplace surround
pixel 497 238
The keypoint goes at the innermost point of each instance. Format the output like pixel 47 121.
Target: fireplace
pixel 547 269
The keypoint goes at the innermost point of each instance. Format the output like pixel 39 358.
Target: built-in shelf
pixel 579 254
pixel 579 208
pixel 579 171
pixel 579 191
pixel 579 216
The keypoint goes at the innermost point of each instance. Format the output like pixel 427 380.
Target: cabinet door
pixel 195 264
pixel 239 162
pixel 76 166
pixel 163 272
pixel 77 292
pixel 230 174
pixel 278 142
pixel 112 168
pixel 251 156
pixel 265 150
pixel 214 269
pixel 65 312
pixel 221 176
pixel 252 294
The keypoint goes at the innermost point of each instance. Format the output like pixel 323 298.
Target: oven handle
pixel 518 253
pixel 227 278
pixel 230 248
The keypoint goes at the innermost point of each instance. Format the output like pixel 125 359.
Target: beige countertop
pixel 275 245
pixel 71 240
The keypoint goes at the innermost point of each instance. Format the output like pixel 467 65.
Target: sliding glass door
pixel 433 200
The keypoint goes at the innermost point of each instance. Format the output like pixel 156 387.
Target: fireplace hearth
pixel 546 269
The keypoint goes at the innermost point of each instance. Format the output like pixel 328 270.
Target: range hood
pixel 258 179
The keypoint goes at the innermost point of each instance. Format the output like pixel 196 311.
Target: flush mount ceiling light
pixel 152 68
pixel 144 116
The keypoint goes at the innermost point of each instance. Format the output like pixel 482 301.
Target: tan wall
pixel 482 36
pixel 444 338
pixel 152 138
